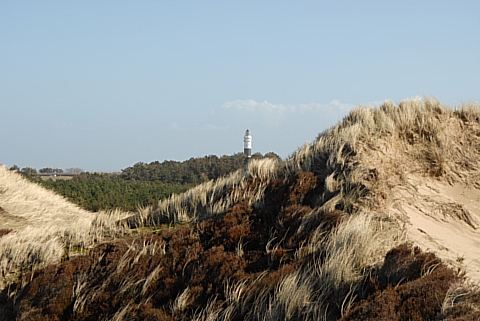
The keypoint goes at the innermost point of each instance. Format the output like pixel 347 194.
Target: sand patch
pixel 443 219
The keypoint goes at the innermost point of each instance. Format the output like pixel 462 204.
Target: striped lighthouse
pixel 247 144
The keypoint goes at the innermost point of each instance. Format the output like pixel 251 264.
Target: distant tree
pixel 15 168
pixel 272 155
pixel 257 155
pixel 29 172
pixel 74 170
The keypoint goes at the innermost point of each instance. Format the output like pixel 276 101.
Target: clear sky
pixel 102 85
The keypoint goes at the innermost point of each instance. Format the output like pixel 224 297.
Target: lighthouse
pixel 247 144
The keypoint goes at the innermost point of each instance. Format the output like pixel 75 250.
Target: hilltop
pixel 376 219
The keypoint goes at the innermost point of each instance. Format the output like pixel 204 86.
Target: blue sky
pixel 101 85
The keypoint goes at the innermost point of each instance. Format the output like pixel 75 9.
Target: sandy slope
pixel 434 215
pixel 428 178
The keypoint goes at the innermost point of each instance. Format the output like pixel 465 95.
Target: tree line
pixel 141 184
pixel 32 172
pixel 101 191
pixel 192 171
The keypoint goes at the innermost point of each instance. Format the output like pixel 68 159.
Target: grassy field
pixel 57 177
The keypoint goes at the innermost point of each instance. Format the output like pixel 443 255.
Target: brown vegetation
pixel 150 273
pixel 411 285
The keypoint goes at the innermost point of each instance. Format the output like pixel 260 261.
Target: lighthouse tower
pixel 247 144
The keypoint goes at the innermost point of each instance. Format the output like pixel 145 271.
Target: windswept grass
pixel 327 284
pixel 212 198
pixel 45 227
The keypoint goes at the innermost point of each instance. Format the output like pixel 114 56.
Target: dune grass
pixel 212 198
pixel 44 227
